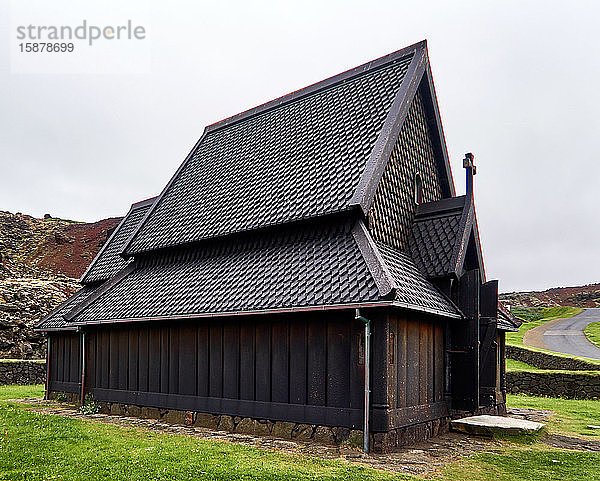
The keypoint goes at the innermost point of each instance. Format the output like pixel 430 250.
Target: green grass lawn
pixel 512 365
pixel 548 314
pixel 592 332
pixel 39 447
pixel 572 415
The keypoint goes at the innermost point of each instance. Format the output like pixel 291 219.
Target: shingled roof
pixel 108 261
pixel 440 234
pixel 267 213
pixel 55 320
pixel 300 267
pixel 312 153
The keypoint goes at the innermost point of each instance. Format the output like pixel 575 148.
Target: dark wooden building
pixel 302 247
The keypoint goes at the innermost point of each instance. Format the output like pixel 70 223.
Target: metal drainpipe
pixel 47 368
pixel 82 367
pixel 367 324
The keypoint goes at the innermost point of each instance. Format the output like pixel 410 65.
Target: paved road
pixel 567 336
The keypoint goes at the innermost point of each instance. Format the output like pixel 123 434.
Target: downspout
pixel 367 364
pixel 47 395
pixel 82 367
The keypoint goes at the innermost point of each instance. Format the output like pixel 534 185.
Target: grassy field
pixel 592 332
pixel 549 314
pixel 42 447
pixel 572 415
pixel 512 365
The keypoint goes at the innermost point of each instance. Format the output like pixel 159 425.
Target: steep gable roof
pixel 315 152
pixel 108 261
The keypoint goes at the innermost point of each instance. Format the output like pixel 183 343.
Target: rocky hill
pixel 580 296
pixel 40 262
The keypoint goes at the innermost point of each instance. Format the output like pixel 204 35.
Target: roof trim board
pixel 382 149
pixel 375 263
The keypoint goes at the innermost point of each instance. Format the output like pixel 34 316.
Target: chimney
pixel 469 165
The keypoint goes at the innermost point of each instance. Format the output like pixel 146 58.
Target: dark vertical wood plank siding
pixel 154 355
pixel 280 362
pixel 90 359
pixel 263 362
pixel 291 359
pixel 401 363
pixel 143 366
pixel 164 359
pixel 298 362
pixel 412 355
pixel 247 367
pixel 423 362
pixel 338 365
pixel 75 358
pixel 123 357
pixel 203 361
pixel 104 336
pixel 439 372
pixel 113 374
pixel 174 360
pixel 55 362
pixel 132 371
pixel 215 386
pixel 59 347
pixel 231 360
pixel 187 360
pixel 316 363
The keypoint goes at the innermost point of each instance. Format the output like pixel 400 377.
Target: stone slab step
pixel 489 425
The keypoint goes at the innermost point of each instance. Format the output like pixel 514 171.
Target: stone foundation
pixel 70 397
pixel 385 442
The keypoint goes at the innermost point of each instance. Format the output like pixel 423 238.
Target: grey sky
pixel 517 84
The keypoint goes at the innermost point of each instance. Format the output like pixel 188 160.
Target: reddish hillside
pixel 580 296
pixel 40 261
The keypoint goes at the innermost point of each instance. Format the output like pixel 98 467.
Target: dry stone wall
pixel 543 360
pixel 575 385
pixel 22 372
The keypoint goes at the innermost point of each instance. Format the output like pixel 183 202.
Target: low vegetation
pixel 592 332
pixel 36 446
pixel 512 365
pixel 536 317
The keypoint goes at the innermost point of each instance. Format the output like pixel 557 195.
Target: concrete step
pixel 490 425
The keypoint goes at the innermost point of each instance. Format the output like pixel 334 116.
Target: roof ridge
pixel 318 86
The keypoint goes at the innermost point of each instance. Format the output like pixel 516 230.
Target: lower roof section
pixel 55 320
pixel 323 265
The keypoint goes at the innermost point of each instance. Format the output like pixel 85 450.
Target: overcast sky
pixel 517 83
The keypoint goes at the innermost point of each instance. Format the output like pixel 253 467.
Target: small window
pixel 418 189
